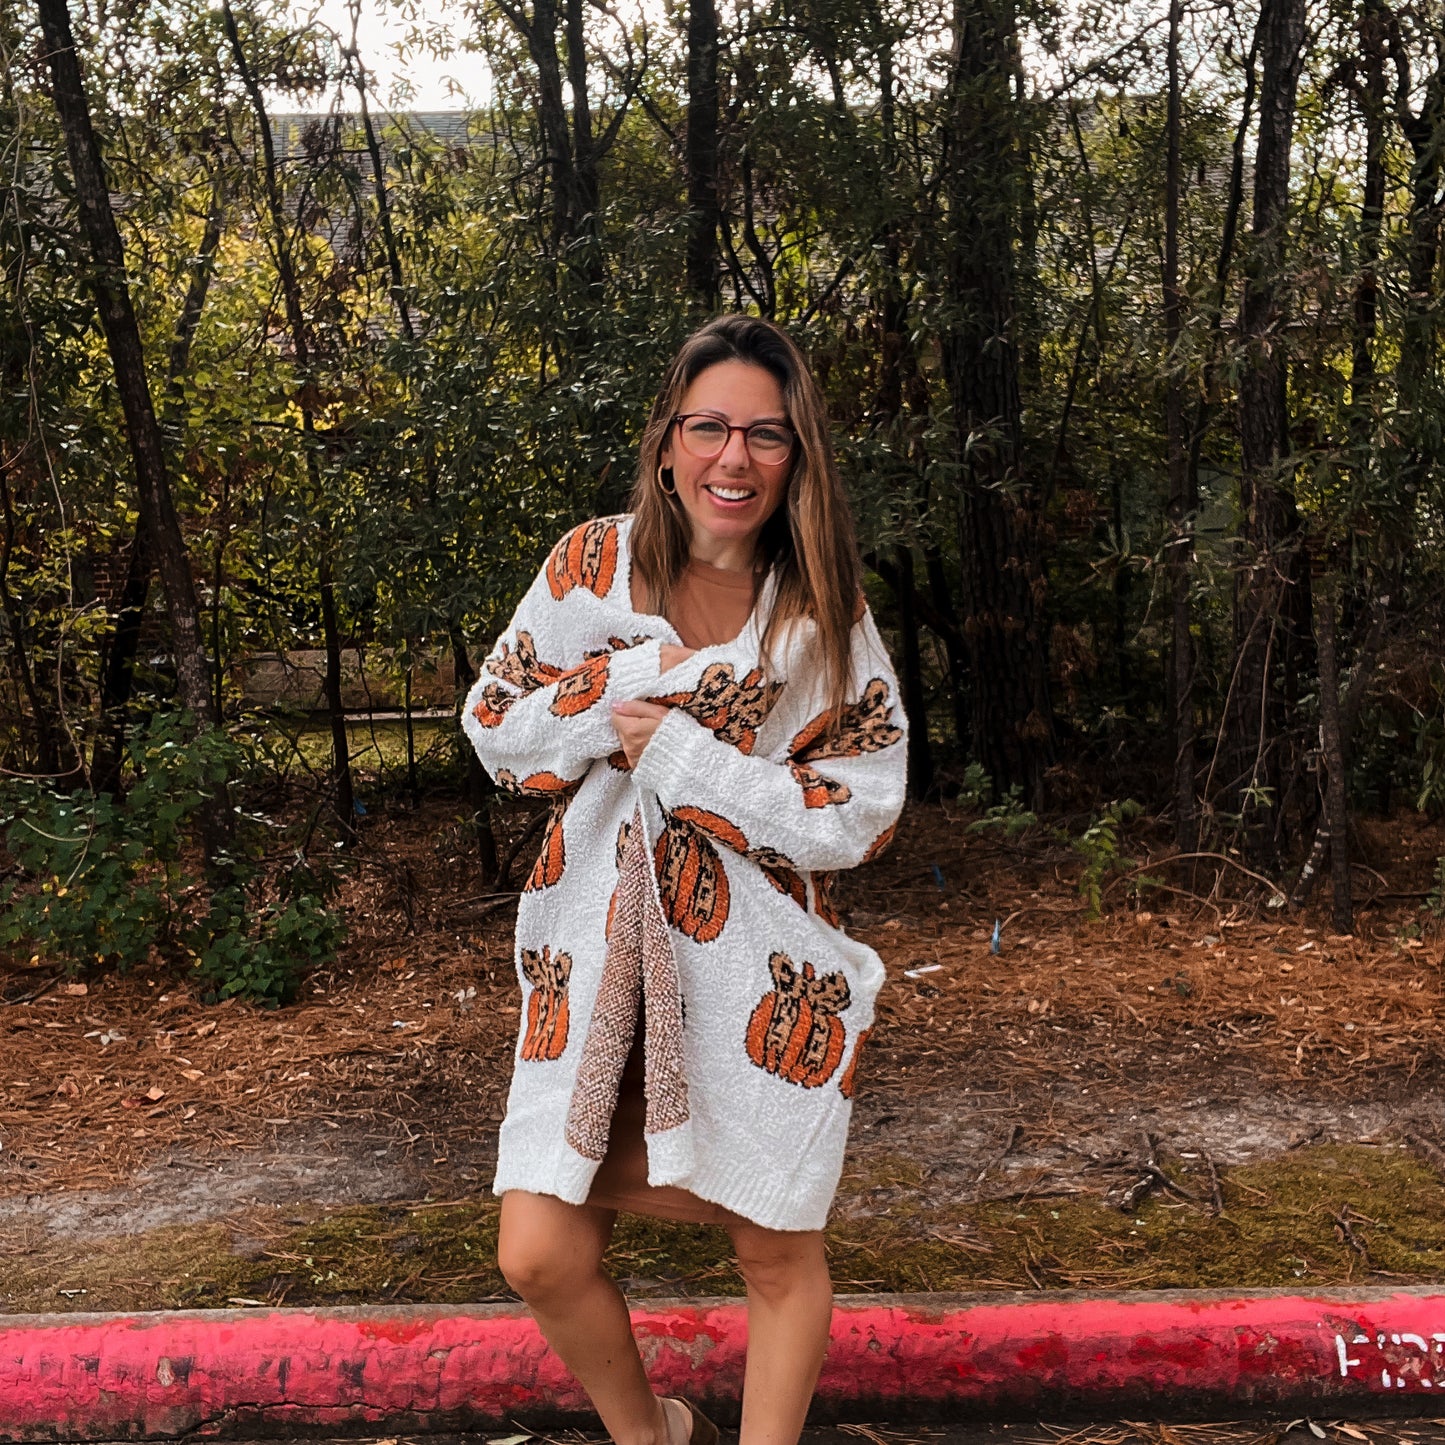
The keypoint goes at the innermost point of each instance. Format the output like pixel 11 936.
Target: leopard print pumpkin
pixel 545 1038
pixel 849 1082
pixel 795 1032
pixel 864 726
pixel 585 557
pixel 732 709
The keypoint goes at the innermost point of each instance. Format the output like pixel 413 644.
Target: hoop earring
pixel 666 482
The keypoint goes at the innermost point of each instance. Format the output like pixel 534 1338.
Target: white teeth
pixel 730 494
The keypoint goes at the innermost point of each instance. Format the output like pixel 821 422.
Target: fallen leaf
pixel 155 1093
pixel 76 990
pixel 193 1074
pixel 205 1029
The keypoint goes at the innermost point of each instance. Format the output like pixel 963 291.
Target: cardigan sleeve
pixel 832 800
pixel 542 707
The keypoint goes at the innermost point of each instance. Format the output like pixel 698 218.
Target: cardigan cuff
pixel 632 672
pixel 675 750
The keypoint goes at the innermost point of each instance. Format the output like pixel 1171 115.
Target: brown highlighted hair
pixel 809 542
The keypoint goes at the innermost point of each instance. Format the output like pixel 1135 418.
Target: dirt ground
pixel 1192 1089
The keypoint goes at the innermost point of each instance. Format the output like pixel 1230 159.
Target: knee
pixel 541 1267
pixel 537 1272
pixel 782 1267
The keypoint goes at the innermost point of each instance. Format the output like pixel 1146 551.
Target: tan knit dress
pixel 709 606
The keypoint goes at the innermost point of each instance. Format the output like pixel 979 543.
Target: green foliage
pixel 104 882
pixel 1008 816
pixel 1098 846
pixel 1435 899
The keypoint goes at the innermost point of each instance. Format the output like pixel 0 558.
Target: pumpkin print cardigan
pixel 696 885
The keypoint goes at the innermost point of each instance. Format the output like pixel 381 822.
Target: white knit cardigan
pixel 757 1003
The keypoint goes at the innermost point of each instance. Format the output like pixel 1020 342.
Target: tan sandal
pixel 704 1432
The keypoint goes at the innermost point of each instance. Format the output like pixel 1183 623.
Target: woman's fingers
pixel 635 723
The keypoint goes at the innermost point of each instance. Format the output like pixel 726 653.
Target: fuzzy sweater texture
pixel 696 883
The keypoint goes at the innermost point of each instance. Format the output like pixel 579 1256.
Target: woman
pixel 700 691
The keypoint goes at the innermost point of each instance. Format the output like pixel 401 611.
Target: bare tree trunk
pixel 53 754
pixel 117 315
pixel 1424 129
pixel 1012 730
pixel 702 153
pixel 896 364
pixel 1271 611
pixel 920 751
pixel 343 789
pixel 118 657
pixel 343 793
pixel 1336 806
pixel 1371 96
pixel 1183 502
pixel 378 182
pixel 479 785
pixel 1366 661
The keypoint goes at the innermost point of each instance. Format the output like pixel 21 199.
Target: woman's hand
pixel 636 722
pixel 670 655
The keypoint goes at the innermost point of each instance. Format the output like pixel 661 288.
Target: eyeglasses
pixel 769 443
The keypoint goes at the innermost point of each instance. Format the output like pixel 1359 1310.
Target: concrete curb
pixel 1174 1353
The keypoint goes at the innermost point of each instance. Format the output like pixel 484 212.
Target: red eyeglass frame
pixel 683 416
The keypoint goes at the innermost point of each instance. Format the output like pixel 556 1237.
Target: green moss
pixel 1280 1226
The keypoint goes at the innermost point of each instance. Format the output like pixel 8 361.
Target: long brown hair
pixel 809 542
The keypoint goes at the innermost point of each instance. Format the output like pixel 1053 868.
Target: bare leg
pixel 551 1253
pixel 790 1308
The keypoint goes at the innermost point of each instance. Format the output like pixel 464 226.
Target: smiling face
pixel 729 497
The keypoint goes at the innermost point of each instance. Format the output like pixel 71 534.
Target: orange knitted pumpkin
pixel 823 904
pixel 691 880
pixel 849 1081
pixel 782 873
pixel 521 666
pixel 492 705
pixel 585 557
pixel 864 726
pixel 580 688
pixel 732 710
pixel 552 858
pixel 795 1032
pixel 547 1010
pixel 881 844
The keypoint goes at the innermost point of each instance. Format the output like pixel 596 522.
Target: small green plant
pixel 1098 845
pixel 1435 899
pixel 1009 815
pixel 108 882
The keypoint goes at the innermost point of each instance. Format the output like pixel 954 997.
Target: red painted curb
pixel 1175 1353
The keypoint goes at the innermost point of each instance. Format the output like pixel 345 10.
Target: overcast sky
pixel 436 81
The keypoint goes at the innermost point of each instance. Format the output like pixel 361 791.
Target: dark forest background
pixel 1128 317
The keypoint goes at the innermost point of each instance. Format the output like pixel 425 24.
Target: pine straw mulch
pixel 407 1041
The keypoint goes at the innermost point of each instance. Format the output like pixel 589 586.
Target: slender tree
pixel 343 791
pixel 702 153
pixel 1271 604
pixel 158 518
pixel 1003 616
pixel 1183 501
